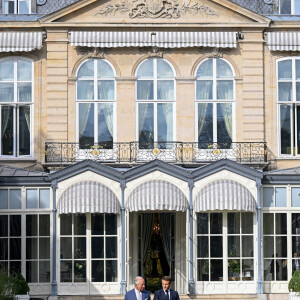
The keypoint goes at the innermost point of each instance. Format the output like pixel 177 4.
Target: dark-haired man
pixel 166 293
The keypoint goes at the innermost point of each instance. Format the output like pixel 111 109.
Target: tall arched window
pixel 95 95
pixel 16 107
pixel 214 103
pixel 155 95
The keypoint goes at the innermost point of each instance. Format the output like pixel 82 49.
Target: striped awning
pixel 20 41
pixel 112 39
pixel 283 41
pixel 224 195
pixel 157 195
pixel 88 197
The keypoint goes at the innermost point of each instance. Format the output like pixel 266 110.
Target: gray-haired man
pixel 139 292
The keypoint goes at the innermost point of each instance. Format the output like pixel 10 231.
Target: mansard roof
pixel 12 171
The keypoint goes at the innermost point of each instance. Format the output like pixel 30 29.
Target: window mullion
pixel 95 103
pixel 155 100
pixel 225 247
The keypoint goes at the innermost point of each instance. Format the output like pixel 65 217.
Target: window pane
pixel 203 270
pixel 79 247
pixel 85 90
pixel 146 125
pixel 105 125
pixel 97 247
pixel 111 247
pixel 79 224
pixel 281 269
pixel 15 267
pixel 31 225
pixel 79 271
pixel 111 271
pixel 7 130
pixel 3 199
pixel 110 224
pixel 281 223
pixel 106 90
pixel 224 124
pixel 233 223
pixel 281 246
pixel 247 223
pixel 280 195
pixel 268 220
pixel 15 199
pixel 86 125
pixel 205 69
pixel 66 271
pixel 97 224
pixel 65 248
pixel 225 89
pixel 3 225
pixel 7 70
pixel 205 124
pixel 24 70
pixel 165 89
pixel 104 69
pixel 268 246
pixel 97 271
pixel 284 91
pixel 3 249
pixel 146 69
pixel 145 89
pixel 163 69
pixel 285 69
pixel 32 198
pixel 216 223
pixel 44 248
pixel 31 248
pixel 44 271
pixel 15 225
pixel 202 246
pixel 24 130
pixel 285 7
pixel 32 271
pixel 65 224
pixel 15 249
pixel 247 246
pixel 285 129
pixel 296 224
pixel 202 223
pixel 164 122
pixel 24 92
pixel 86 71
pixel 297 7
pixel 233 246
pixel 44 198
pixel 297 69
pixel 6 92
pixel 297 136
pixel 24 7
pixel 204 90
pixel 248 269
pixel 297 91
pixel 216 246
pixel 296 248
pixel 44 228
pixel 223 69
pixel 234 269
pixel 216 267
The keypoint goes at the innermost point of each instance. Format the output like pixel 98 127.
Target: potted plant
pixel 294 286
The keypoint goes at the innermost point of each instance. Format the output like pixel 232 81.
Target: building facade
pixel 150 138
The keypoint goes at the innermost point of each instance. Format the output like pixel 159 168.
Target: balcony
pixel 255 154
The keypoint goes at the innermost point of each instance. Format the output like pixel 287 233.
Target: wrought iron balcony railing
pixel 175 152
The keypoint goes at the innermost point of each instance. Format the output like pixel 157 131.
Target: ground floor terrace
pixel 89 229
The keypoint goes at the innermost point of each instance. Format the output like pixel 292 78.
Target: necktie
pixel 140 296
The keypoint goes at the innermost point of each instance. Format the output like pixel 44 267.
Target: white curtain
pixel 5 111
pixel 284 113
pixel 202 108
pixel 224 89
pixel 84 111
pixel 227 114
pixel 166 234
pixel 167 110
pixel 143 109
pixel 27 116
pixel 108 115
pixel 146 232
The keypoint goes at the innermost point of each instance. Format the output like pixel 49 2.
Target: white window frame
pixel 97 101
pixel 292 3
pixel 214 101
pixel 292 104
pixel 155 101
pixel 16 5
pixel 15 104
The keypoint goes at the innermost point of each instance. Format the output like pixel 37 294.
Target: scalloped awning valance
pixel 88 197
pixel 224 195
pixel 113 39
pixel 283 41
pixel 20 41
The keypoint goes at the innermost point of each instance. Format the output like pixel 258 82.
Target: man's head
pixel 166 282
pixel 139 283
pixel 295 254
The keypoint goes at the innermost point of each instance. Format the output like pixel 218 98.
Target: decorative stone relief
pixel 41 2
pixel 155 52
pixel 96 53
pixel 216 53
pixel 155 9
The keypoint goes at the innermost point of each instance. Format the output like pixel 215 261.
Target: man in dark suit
pixel 166 293
pixel 139 292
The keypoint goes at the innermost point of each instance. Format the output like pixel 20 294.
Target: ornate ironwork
pixel 175 152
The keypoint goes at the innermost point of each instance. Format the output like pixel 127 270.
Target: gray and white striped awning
pixel 112 39
pixel 224 195
pixel 283 41
pixel 88 197
pixel 157 195
pixel 20 41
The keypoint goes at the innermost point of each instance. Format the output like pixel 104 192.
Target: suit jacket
pixel 130 295
pixel 158 295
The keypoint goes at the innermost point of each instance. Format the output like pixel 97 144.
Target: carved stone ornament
pixel 215 53
pixel 96 53
pixel 41 2
pixel 155 52
pixel 155 9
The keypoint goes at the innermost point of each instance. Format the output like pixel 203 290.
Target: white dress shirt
pixel 138 295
